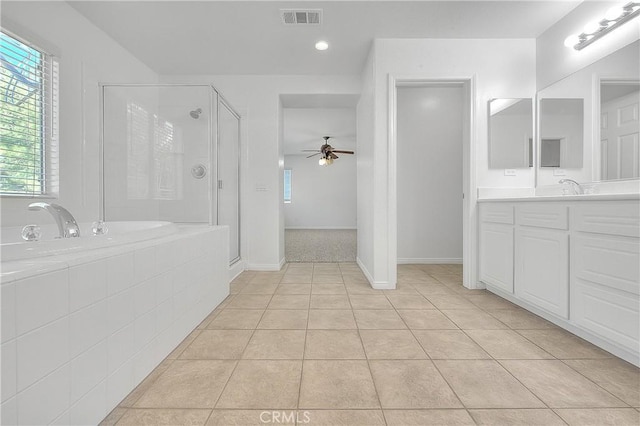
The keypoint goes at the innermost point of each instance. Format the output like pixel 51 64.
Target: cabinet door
pixel 542 268
pixel 605 284
pixel 496 255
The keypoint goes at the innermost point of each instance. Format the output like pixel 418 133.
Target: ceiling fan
pixel 326 152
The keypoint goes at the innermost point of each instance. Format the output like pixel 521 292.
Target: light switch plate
pixel 509 172
pixel 559 172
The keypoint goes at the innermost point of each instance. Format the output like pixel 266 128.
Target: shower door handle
pixel 220 185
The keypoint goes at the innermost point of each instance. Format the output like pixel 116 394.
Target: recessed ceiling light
pixel 322 45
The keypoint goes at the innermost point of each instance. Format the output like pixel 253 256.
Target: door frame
pixel 469 193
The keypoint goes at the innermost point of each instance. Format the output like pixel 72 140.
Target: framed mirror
pixel 510 133
pixel 561 133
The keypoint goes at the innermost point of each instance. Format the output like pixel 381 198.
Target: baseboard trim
pixel 311 228
pixel 236 269
pixel 264 267
pixel 429 261
pixel 282 262
pixel 378 285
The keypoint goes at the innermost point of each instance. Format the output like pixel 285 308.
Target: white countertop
pixel 582 197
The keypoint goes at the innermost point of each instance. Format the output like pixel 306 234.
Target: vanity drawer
pixel 613 218
pixel 543 215
pixel 496 213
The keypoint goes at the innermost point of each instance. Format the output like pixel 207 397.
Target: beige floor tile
pixel 406 301
pixel 331 319
pixel 559 386
pixel 337 384
pixel 295 278
pixel 615 375
pixel 600 416
pixel 402 289
pixel 286 319
pixel 259 288
pixel 449 344
pixel 294 289
pixel 369 301
pixel 373 319
pixel 485 384
pixel 507 344
pixel 362 288
pixel 169 417
pixel 523 417
pixel 450 301
pixel 391 344
pixel 205 322
pixel 218 344
pixel 432 289
pixel 428 319
pixel 184 344
pixel 327 278
pixel 145 385
pixel 490 301
pixel 355 280
pixel 328 289
pixel 263 384
pixel 333 344
pixel 289 301
pixel 473 319
pixel 275 344
pixel 251 417
pixel 564 345
pixel 427 417
pixel 113 417
pixel 236 319
pixel 330 301
pixel 411 384
pixel 519 319
pixel 448 279
pixel 326 268
pixel 249 301
pixel 341 417
pixel 188 384
pixel 235 287
pixel 266 279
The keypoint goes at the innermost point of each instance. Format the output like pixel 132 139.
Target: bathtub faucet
pixel 67 225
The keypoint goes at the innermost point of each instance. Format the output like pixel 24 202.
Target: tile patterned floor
pixel 314 342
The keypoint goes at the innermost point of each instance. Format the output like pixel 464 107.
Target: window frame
pixel 287 172
pixel 49 123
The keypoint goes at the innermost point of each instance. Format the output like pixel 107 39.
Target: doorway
pixel 431 214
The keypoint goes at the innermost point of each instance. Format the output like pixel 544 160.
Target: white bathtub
pixel 13 247
pixel 84 320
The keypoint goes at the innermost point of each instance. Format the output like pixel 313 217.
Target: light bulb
pixel 322 161
pixel 591 27
pixel 572 40
pixel 614 13
pixel 329 161
pixel 322 45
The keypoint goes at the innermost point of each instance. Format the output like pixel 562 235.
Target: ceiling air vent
pixel 301 17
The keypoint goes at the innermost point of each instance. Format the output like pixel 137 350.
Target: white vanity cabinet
pixel 496 245
pixel 576 262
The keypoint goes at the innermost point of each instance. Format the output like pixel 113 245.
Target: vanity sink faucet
pixel 67 225
pixel 577 189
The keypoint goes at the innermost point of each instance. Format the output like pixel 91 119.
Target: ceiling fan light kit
pixel 327 153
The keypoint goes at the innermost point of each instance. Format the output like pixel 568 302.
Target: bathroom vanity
pixel 574 260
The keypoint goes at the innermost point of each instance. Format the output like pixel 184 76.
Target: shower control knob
pixel 199 171
pixel 31 233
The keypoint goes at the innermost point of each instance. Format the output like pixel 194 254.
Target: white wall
pixel 322 197
pixel 501 68
pixel 256 98
pixel 554 61
pixel 87 56
pixel 429 174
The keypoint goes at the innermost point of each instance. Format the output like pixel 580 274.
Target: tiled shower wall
pixel 78 338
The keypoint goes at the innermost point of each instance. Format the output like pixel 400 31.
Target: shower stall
pixel 171 153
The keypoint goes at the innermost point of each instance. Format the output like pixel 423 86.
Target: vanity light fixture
pixel 615 17
pixel 322 45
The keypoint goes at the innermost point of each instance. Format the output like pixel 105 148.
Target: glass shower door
pixel 229 176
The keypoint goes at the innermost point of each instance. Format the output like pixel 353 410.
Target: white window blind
pixel 28 119
pixel 287 186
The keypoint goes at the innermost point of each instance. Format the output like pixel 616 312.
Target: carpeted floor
pixel 320 245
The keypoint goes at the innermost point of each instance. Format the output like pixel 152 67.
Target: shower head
pixel 195 114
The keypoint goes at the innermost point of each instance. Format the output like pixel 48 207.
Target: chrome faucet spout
pixel 577 188
pixel 67 225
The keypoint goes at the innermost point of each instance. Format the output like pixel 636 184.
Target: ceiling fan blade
pixel 343 152
pixel 308 150
pixel 313 155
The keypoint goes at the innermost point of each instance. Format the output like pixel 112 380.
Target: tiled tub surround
pixel 317 339
pixel 80 331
